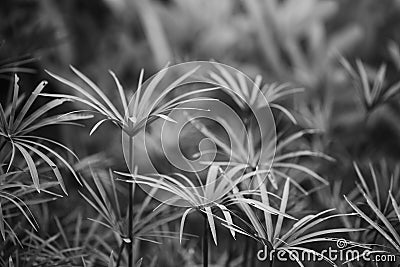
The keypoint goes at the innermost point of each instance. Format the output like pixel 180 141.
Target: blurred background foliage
pixel 300 42
pixel 284 41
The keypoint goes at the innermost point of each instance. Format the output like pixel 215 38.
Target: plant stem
pixel 130 223
pixel 270 258
pixel 3 143
pixel 121 248
pixel 230 254
pixel 270 262
pixel 130 207
pixel 205 243
pixel 246 252
pixel 252 253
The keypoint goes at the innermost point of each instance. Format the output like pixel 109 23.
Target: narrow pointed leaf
pixel 210 219
pixel 182 225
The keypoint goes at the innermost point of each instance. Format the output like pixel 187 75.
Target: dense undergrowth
pixel 72 195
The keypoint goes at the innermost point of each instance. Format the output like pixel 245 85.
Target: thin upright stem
pixel 205 243
pixel 121 248
pixel 230 254
pixel 246 252
pixel 270 261
pixel 2 144
pixel 130 207
pixel 253 252
pixel 270 257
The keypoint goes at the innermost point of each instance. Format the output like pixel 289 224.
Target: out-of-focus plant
pixel 298 33
pixel 244 95
pixel 13 66
pixel 245 149
pixel 371 87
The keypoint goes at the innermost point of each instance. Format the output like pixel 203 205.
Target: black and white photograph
pixel 199 133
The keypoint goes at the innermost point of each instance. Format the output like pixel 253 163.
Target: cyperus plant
pixel 23 150
pixel 146 106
